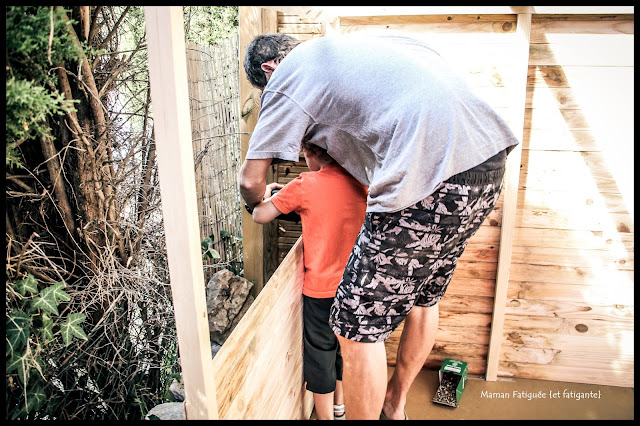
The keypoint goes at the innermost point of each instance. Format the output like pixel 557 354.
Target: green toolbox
pixel 453 377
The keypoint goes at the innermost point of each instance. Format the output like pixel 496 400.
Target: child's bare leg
pixel 324 405
pixel 338 398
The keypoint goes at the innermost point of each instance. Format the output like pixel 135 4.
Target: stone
pixel 228 297
pixel 176 389
pixel 215 347
pixel 166 411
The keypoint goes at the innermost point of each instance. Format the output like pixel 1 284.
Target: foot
pixel 393 415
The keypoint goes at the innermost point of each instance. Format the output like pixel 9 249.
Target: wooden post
pixel 512 176
pixel 169 93
pixel 259 250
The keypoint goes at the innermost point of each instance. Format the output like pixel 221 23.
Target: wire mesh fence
pixel 214 97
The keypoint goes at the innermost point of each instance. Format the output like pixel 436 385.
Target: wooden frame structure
pixel 168 85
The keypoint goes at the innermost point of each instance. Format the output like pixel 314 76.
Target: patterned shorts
pixel 407 258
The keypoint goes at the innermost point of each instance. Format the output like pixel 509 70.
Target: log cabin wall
pixel 569 311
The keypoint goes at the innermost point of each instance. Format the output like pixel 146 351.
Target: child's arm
pixel 265 211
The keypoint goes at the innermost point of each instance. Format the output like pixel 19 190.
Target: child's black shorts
pixel 407 258
pixel 322 362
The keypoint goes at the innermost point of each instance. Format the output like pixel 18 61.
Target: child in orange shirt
pixel 331 204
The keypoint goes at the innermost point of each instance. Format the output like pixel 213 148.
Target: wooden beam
pixel 324 12
pixel 512 176
pixel 308 12
pixel 259 254
pixel 331 27
pixel 172 124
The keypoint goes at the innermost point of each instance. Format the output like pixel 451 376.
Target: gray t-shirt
pixel 386 108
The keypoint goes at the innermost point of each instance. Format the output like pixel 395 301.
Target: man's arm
pixel 252 180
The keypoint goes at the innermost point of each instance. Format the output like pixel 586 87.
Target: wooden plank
pixel 606 358
pixel 258 371
pixel 578 76
pixel 542 29
pixel 512 175
pixel 614 293
pixel 169 92
pixel 570 374
pixel 583 50
pixel 564 171
pixel 395 20
pixel 563 238
pixel 611 346
pixel 595 275
pixel 575 310
pixel 569 326
pixel 368 11
pixel 621 260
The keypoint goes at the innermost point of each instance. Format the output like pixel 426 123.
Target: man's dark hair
pixel 265 48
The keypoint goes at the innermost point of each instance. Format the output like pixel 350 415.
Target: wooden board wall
pixel 570 310
pixel 479 50
pixel 258 370
pixel 569 314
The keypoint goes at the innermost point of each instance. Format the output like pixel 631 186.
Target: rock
pixel 215 347
pixel 227 299
pixel 176 389
pixel 166 411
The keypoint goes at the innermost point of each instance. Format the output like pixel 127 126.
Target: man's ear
pixel 269 66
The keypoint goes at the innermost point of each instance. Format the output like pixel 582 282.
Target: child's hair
pixel 317 151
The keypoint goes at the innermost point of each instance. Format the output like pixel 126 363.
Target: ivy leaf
pixel 46 331
pixel 35 398
pixel 56 291
pixel 20 364
pixel 212 253
pixel 50 297
pixel 46 302
pixel 71 327
pixel 18 328
pixel 29 284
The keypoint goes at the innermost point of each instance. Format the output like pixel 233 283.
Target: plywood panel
pixel 258 371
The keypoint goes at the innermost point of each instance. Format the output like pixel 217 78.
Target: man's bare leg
pixel 416 342
pixel 364 378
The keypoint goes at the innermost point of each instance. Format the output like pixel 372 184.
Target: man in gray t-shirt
pixel 390 111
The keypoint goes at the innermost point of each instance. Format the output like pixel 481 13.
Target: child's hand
pixel 271 187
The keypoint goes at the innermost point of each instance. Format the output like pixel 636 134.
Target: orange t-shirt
pixel 331 205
